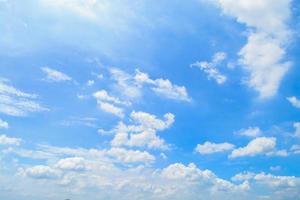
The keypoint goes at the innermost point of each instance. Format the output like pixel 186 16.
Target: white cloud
pixel 163 87
pixel 263 55
pixel 5 140
pixel 209 148
pixel 258 146
pixel 102 95
pixel 250 132
pixel 132 85
pixel 210 68
pixel 110 108
pixel 143 131
pixel 131 156
pixel 54 75
pixel 295 149
pixel 41 172
pixel 3 124
pixel 17 103
pixel 86 173
pixel 90 82
pixel 73 163
pixel 294 101
pixel 297 129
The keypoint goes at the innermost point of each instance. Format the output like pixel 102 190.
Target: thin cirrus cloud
pixel 15 102
pixel 263 56
pixel 53 75
pixel 210 68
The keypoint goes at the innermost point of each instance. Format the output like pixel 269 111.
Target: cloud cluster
pixel 143 131
pixel 268 35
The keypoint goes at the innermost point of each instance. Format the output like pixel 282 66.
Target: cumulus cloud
pixel 143 131
pixel 3 124
pixel 258 146
pixel 73 163
pixel 131 85
pixel 111 108
pixel 294 101
pixel 102 95
pixel 264 54
pixel 54 75
pixel 210 68
pixel 6 140
pixel 250 132
pixel 14 102
pixel 40 172
pixel 131 156
pixel 209 148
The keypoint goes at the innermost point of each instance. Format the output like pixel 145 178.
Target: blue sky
pixel 126 99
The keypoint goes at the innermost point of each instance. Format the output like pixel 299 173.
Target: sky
pixel 139 99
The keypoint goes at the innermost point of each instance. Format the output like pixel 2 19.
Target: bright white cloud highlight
pixel 54 75
pixel 258 146
pixel 110 108
pixel 209 148
pixel 131 85
pixel 250 132
pixel 210 68
pixel 294 101
pixel 264 54
pixel 143 131
pixel 40 172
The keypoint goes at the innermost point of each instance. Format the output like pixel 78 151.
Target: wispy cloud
pixel 17 103
pixel 54 75
pixel 210 68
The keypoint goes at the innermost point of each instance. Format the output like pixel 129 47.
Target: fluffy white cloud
pixel 131 85
pixel 131 156
pixel 297 129
pixel 209 148
pixel 250 132
pixel 110 108
pixel 210 68
pixel 17 103
pixel 263 55
pixel 3 124
pixel 102 95
pixel 73 163
pixel 143 131
pixel 258 146
pixel 40 172
pixel 5 140
pixel 163 87
pixel 54 75
pixel 294 101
